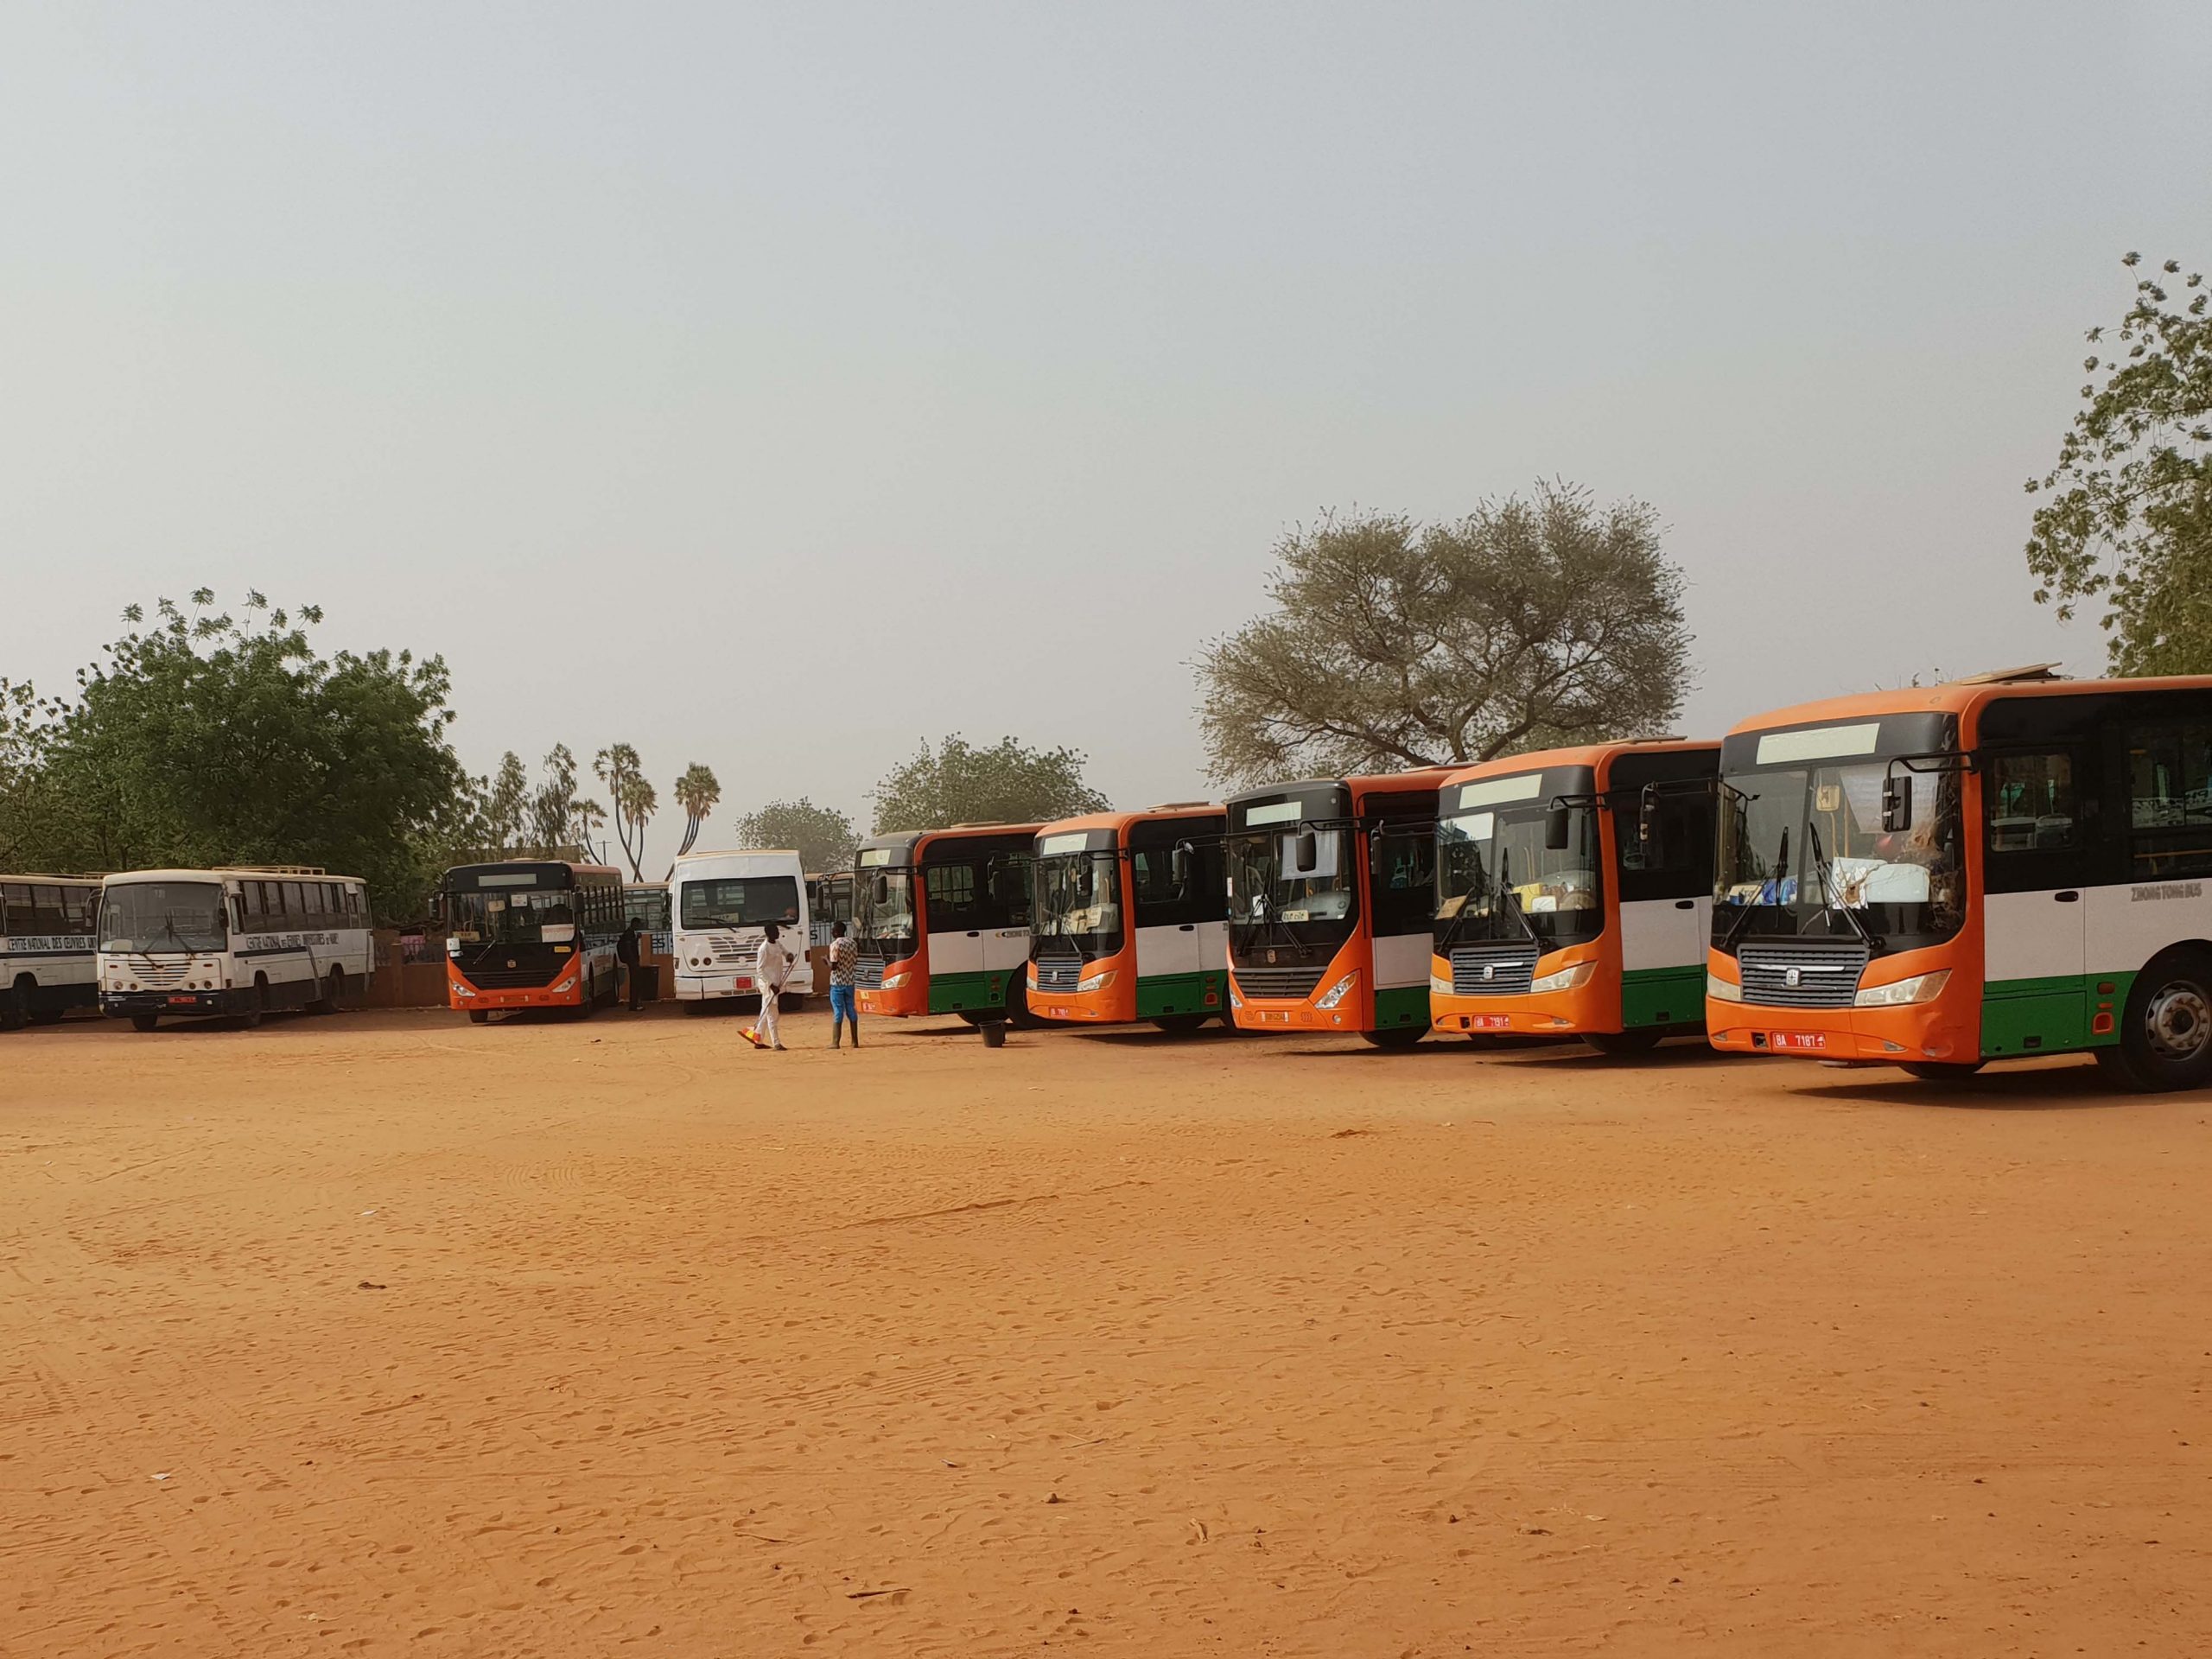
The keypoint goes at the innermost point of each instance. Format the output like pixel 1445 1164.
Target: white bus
pixel 243 942
pixel 46 947
pixel 720 900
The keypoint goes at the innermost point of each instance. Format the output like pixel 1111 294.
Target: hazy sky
pixel 777 386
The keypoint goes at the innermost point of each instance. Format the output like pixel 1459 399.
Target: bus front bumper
pixel 1871 1036
pixel 122 1005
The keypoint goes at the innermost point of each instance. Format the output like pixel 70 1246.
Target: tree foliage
pixel 822 836
pixel 2128 515
pixel 1008 782
pixel 504 804
pixel 698 791
pixel 635 799
pixel 553 820
pixel 1393 643
pixel 206 739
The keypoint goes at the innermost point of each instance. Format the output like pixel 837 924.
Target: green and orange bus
pixel 1332 888
pixel 530 934
pixel 1132 918
pixel 2001 867
pixel 1572 887
pixel 942 922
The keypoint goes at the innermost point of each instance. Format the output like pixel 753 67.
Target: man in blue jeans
pixel 844 957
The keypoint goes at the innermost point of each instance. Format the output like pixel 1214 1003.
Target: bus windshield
pixel 1496 879
pixel 1267 882
pixel 149 916
pixel 884 901
pixel 1802 852
pixel 740 901
pixel 519 917
pixel 1080 899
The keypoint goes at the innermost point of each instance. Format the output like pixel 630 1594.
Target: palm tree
pixel 590 815
pixel 698 792
pixel 634 805
pixel 617 766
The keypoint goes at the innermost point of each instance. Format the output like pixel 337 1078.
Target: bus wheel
pixel 1396 1036
pixel 16 1005
pixel 1640 1041
pixel 1017 1001
pixel 252 1017
pixel 2166 1033
pixel 1180 1025
pixel 144 1021
pixel 333 993
pixel 479 1016
pixel 1940 1071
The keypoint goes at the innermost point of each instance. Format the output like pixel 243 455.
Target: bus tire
pixel 1016 1011
pixel 1621 1044
pixel 1180 1025
pixel 1939 1071
pixel 333 993
pixel 2165 1035
pixel 144 1021
pixel 479 1016
pixel 2112 1061
pixel 252 1016
pixel 1396 1036
pixel 791 1003
pixel 16 1005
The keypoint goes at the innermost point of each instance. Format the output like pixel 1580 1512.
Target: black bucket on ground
pixel 993 1033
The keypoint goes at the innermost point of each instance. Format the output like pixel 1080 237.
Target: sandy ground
pixel 382 1334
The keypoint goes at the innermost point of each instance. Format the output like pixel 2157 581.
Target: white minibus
pixel 720 901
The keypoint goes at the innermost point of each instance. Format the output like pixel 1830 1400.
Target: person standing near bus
pixel 626 952
pixel 844 958
pixel 771 966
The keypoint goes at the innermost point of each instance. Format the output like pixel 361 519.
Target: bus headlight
pixel 1234 1000
pixel 896 982
pixel 1566 979
pixel 1723 990
pixel 1921 988
pixel 567 984
pixel 1097 981
pixel 1438 986
pixel 1337 992
pixel 459 989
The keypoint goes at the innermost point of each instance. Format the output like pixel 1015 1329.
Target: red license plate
pixel 744 984
pixel 187 1000
pixel 1489 1022
pixel 1797 1040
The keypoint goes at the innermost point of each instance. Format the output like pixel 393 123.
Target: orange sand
pixel 384 1334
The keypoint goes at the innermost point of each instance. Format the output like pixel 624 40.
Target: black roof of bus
pixel 548 871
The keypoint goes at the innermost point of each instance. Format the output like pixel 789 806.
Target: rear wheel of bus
pixel 2165 1035
pixel 1180 1025
pixel 1396 1036
pixel 144 1021
pixel 1620 1044
pixel 333 996
pixel 16 1005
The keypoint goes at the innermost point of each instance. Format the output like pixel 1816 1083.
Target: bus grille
pixel 1058 973
pixel 1493 969
pixel 868 973
pixel 1810 975
pixel 512 979
pixel 1283 984
pixel 154 976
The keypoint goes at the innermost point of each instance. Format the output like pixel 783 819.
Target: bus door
pixel 955 923
pixel 2038 858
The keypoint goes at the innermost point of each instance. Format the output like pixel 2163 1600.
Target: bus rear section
pixel 530 934
pixel 48 947
pixel 233 940
pixel 942 922
pixel 724 903
pixel 1572 890
pixel 1331 887
pixel 1131 918
pixel 1994 868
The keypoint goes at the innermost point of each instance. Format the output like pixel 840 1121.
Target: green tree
pixel 588 824
pixel 822 836
pixel 635 799
pixel 2127 517
pixel 552 818
pixel 505 803
pixel 207 739
pixel 698 792
pixel 1008 782
pixel 1394 645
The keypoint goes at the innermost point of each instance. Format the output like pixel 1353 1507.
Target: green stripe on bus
pixel 1663 996
pixel 1159 993
pixel 2049 1015
pixel 1400 1004
pixel 955 993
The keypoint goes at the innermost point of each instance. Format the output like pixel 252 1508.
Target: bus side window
pixel 2169 798
pixel 83 902
pixel 2029 804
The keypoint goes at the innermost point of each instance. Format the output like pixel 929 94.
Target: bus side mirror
pixel 437 907
pixel 1555 829
pixel 1308 849
pixel 880 889
pixel 1647 817
pixel 1179 863
pixel 1896 802
pixel 237 914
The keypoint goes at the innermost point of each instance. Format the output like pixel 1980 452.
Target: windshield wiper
pixel 1781 874
pixel 1830 898
pixel 1508 900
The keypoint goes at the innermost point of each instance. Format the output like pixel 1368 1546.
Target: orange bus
pixel 942 922
pixel 1332 889
pixel 1132 919
pixel 2003 866
pixel 1573 888
pixel 529 933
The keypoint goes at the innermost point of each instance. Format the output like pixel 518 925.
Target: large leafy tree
pixel 1392 644
pixel 204 738
pixel 505 803
pixel 822 836
pixel 1008 782
pixel 552 819
pixel 698 791
pixel 2127 517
